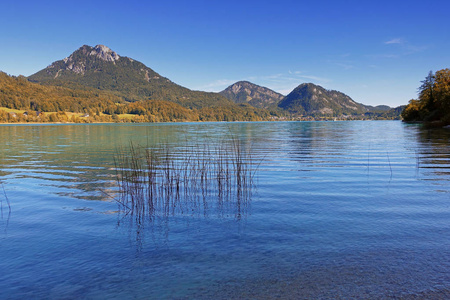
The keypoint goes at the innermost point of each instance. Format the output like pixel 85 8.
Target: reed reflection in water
pixel 4 199
pixel 193 180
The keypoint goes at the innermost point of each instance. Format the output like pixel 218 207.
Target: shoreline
pixel 87 123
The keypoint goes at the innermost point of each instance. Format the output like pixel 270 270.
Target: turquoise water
pixel 339 210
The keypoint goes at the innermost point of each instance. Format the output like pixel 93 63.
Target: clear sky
pixel 377 52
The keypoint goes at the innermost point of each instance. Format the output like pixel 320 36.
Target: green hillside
pixel 25 101
pixel 19 93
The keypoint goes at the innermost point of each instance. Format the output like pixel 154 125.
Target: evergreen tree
pixel 426 94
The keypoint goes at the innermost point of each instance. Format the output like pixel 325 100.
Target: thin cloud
pixel 384 56
pixel 285 83
pixel 282 83
pixel 275 76
pixel 406 46
pixel 343 61
pixel 217 85
pixel 345 66
pixel 395 41
pixel 410 49
pixel 400 47
pixel 315 78
pixel 294 76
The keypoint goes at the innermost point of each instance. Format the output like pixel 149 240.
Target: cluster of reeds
pixel 194 179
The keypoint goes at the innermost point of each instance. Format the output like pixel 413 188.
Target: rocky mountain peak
pixel 78 61
pixel 241 85
pixel 100 51
pixel 104 53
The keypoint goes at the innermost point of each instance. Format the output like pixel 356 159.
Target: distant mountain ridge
pixel 255 95
pixel 101 68
pixel 311 99
pixel 307 99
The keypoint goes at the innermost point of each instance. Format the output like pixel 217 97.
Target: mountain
pixel 395 113
pixel 311 99
pixel 255 95
pixel 114 82
pixel 101 68
pixel 382 108
pixel 378 108
pixel 25 101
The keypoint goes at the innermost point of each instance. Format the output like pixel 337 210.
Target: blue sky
pixel 377 52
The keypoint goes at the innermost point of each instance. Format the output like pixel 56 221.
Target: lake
pixel 344 210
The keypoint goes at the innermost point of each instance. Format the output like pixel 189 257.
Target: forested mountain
pixel 307 100
pixel 41 103
pixel 311 99
pixel 101 68
pixel 19 93
pixel 255 95
pixel 378 108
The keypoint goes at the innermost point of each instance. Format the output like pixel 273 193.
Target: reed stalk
pixel 7 202
pixel 163 182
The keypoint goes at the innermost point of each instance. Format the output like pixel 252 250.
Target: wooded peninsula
pixel 433 103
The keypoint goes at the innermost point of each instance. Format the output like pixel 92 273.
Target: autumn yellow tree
pixel 433 104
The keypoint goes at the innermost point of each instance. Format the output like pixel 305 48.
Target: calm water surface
pixel 339 210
